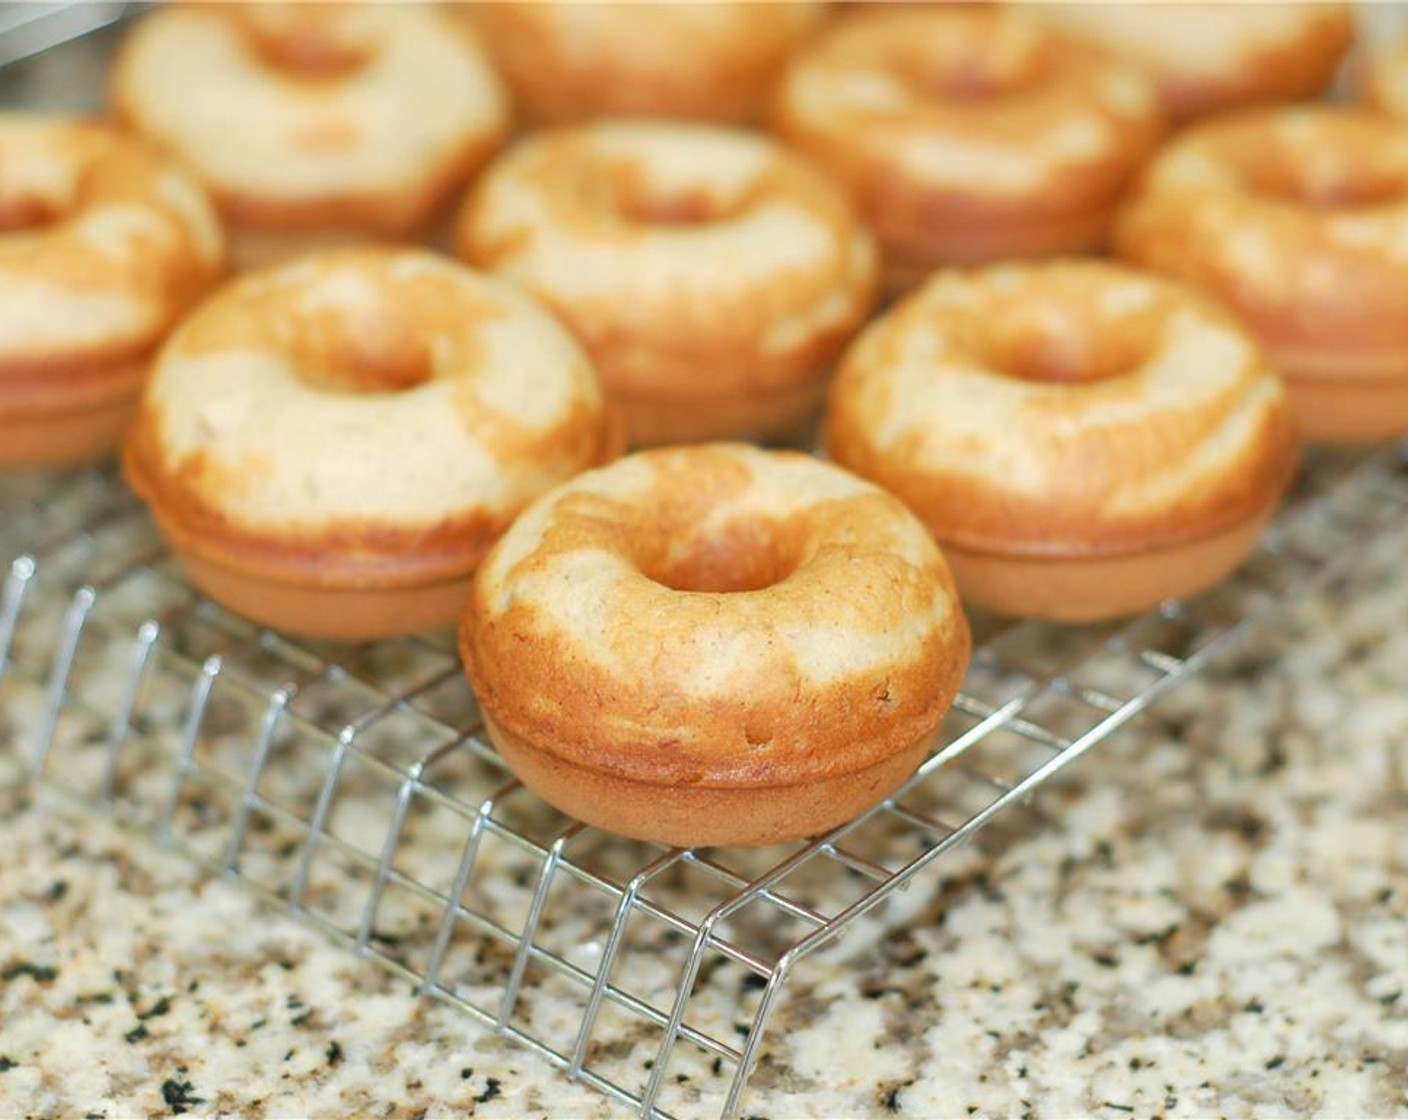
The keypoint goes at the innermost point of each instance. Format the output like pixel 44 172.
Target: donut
pixel 330 446
pixel 1082 440
pixel 570 62
pixel 104 244
pixel 968 134
pixel 1296 219
pixel 712 276
pixel 314 125
pixel 1208 57
pixel 714 644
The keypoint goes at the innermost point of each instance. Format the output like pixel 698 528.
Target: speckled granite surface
pixel 1209 916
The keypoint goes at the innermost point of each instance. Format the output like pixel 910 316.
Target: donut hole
pixel 28 213
pixel 310 41
pixel 977 80
pixel 741 555
pixel 678 208
pixel 641 200
pixel 1070 341
pixel 371 355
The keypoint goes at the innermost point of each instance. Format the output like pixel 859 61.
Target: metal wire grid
pixel 28 28
pixel 351 786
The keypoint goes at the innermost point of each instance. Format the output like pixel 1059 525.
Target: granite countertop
pixel 1208 916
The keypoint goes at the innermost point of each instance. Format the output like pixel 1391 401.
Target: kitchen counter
pixel 1207 916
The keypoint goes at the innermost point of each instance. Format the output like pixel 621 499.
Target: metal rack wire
pixel 350 785
pixel 27 28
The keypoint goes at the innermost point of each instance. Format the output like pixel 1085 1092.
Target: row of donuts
pixel 307 122
pixel 310 122
pixel 332 445
pixel 712 276
pixel 739 197
pixel 961 134
pixel 717 61
pixel 1315 275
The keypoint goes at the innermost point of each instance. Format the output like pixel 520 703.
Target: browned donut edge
pixel 689 816
pixel 349 614
pixel 71 438
pixel 1100 588
pixel 356 555
pixel 1350 410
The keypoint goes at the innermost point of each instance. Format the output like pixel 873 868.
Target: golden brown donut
pixel 104 244
pixel 332 445
pixel 714 645
pixel 1082 440
pixel 1209 57
pixel 314 125
pixel 712 276
pixel 969 134
pixel 576 61
pixel 1296 219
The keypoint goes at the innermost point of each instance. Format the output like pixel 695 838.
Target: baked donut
pixel 576 61
pixel 968 134
pixel 714 645
pixel 314 125
pixel 103 246
pixel 1297 219
pixel 1082 440
pixel 1208 57
pixel 331 446
pixel 712 276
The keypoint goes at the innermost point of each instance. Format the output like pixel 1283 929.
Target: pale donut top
pixel 1296 216
pixel 579 60
pixel 1209 56
pixel 969 99
pixel 730 602
pixel 388 390
pixel 311 103
pixel 103 243
pixel 678 238
pixel 1074 408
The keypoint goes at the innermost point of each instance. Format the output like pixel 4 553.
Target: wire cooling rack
pixel 351 787
pixel 28 28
